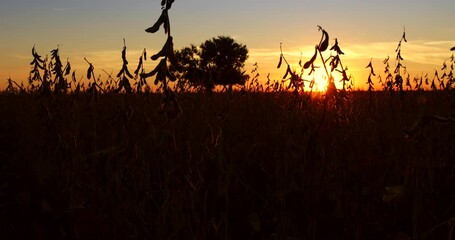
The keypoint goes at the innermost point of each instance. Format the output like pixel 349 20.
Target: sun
pixel 319 80
pixel 320 84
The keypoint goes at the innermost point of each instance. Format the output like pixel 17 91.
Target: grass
pixel 240 166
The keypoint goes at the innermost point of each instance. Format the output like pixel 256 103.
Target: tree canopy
pixel 218 61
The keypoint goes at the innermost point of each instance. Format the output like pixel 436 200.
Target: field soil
pixel 230 166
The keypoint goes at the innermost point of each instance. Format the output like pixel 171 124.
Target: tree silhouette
pixel 189 69
pixel 218 61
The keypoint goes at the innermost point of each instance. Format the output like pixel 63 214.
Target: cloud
pixel 60 9
pixel 422 52
pixel 420 57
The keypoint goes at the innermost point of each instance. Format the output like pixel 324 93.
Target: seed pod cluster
pixel 37 62
pixel 124 73
pixel 336 48
pixel 166 53
pixel 370 65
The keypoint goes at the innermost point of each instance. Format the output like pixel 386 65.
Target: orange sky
pixel 95 29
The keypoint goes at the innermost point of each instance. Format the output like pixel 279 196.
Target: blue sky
pixel 95 29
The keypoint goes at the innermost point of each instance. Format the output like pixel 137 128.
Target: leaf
pixel 54 53
pixel 171 77
pixel 150 74
pixel 399 55
pixel 312 70
pixel 67 69
pixel 160 77
pixel 125 68
pixel 36 55
pixel 155 57
pixel 167 50
pixel 160 66
pixel 162 19
pixel 308 64
pixel 120 73
pixel 444 66
pixel 386 60
pixel 398 79
pixel 34 62
pixel 90 72
pixel 280 62
pixel 334 63
pixel 139 66
pixel 325 42
pixel 336 48
pixel 287 72
pixel 370 65
pixel 398 47
pixel 125 62
pixel 397 69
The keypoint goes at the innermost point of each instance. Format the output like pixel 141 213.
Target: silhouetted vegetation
pixel 119 159
pixel 219 61
pixel 332 65
pixel 244 166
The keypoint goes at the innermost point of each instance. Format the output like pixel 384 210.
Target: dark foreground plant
pixel 140 71
pixel 124 73
pixel 36 80
pixel 447 79
pixel 370 81
pixel 332 64
pixel 296 82
pixel 93 87
pixel 251 170
pixel 395 80
pixel 60 82
pixel 169 105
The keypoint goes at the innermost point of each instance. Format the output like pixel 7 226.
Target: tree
pixel 218 61
pixel 189 69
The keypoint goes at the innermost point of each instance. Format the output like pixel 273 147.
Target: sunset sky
pixel 95 29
